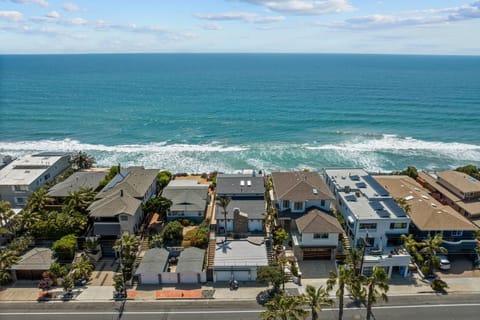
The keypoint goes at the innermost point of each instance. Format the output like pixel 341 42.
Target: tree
pixel 57 271
pixel 64 249
pixel 224 202
pixel 27 219
pixel 81 160
pixel 157 205
pixel 6 215
pixel 355 276
pixel 272 274
pixel 377 286
pixel 429 250
pixel 38 200
pixel 173 232
pixel 284 307
pixel 128 247
pixel 163 178
pixel 80 200
pixel 81 269
pixel 471 170
pixel 279 236
pixel 341 279
pixel 67 284
pixel 411 245
pixel 315 299
pixel 411 171
pixel 7 259
pixel 114 170
pixel 46 282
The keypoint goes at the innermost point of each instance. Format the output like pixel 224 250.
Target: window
pixel 20 200
pixel 322 203
pixel 298 206
pixel 123 218
pixel 368 226
pixel 320 236
pixel 19 188
pixel 398 225
pixel 47 176
pixel 286 203
pixel 456 233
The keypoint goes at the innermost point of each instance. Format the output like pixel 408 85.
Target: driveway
pixel 461 267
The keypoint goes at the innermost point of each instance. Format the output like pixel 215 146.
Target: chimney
pixel 119 167
pixel 121 192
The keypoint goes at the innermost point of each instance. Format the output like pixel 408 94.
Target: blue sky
pixel 311 26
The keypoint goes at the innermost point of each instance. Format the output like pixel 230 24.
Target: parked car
pixel 444 262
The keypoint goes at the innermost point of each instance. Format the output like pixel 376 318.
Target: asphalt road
pixel 406 307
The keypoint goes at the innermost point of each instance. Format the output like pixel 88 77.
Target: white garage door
pixel 242 275
pixel 149 279
pixel 238 275
pixel 223 275
pixel 189 277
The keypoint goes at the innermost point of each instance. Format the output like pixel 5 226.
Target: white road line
pixel 231 311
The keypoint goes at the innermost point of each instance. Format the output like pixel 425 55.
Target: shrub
pixel 200 238
pixel 64 249
pixel 185 222
pixel 172 232
pixel 439 285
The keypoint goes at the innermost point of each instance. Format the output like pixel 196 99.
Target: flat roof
pixel 426 212
pixel 460 180
pixel 356 179
pixel 27 169
pixel 255 208
pixel 185 183
pixel 240 253
pixel 471 206
pixel 241 184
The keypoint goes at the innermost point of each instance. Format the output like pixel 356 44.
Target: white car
pixel 444 262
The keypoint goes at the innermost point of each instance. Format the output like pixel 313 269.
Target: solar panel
pixel 351 198
pixel 361 185
pixel 355 177
pixel 376 186
pixel 116 180
pixel 376 205
pixel 383 213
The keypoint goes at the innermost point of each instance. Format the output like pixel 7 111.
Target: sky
pixel 274 26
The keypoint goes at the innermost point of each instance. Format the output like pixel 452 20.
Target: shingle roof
pixel 155 260
pixel 119 203
pixel 232 184
pixel 425 211
pixel 78 180
pixel 35 259
pixel 255 208
pixel 300 186
pixel 191 260
pixel 134 181
pixel 316 221
pixel 187 198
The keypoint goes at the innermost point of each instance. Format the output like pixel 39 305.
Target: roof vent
pixel 242 183
pixel 314 191
pixel 249 183
pixel 408 198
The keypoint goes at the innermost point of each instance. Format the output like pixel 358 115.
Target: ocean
pixel 227 112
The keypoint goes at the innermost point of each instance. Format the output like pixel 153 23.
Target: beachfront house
pixel 118 206
pixel 294 193
pixel 189 199
pixel 21 177
pixel 429 216
pixel 246 210
pixel 373 221
pixel 315 235
pixel 457 189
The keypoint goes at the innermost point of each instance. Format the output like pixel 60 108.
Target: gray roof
pixel 300 186
pixel 240 253
pixel 77 181
pixel 255 208
pixel 35 259
pixel 228 184
pixel 187 198
pixel 316 221
pixel 155 260
pixel 135 181
pixel 191 260
pixel 118 203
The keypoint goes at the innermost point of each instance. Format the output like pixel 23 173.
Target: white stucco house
pixel 189 199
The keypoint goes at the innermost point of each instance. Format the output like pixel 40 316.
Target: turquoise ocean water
pixel 203 112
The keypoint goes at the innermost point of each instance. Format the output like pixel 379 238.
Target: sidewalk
pixel 398 287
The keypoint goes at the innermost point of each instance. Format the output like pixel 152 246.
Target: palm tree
pixel 315 299
pixel 38 200
pixel 80 200
pixel 411 245
pixel 128 247
pixel 7 225
pixel 284 307
pixel 224 202
pixel 81 269
pixel 354 259
pixel 377 286
pixel 81 160
pixel 341 280
pixel 26 219
pixel 429 250
pixel 7 259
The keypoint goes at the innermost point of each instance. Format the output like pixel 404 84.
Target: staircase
pixel 210 258
pixel 143 247
pixel 268 245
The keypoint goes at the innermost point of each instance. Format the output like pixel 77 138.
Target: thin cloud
pixel 102 25
pixel 14 16
pixel 70 7
pixel 427 17
pixel 305 7
pixel 42 3
pixel 239 16
pixel 212 26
